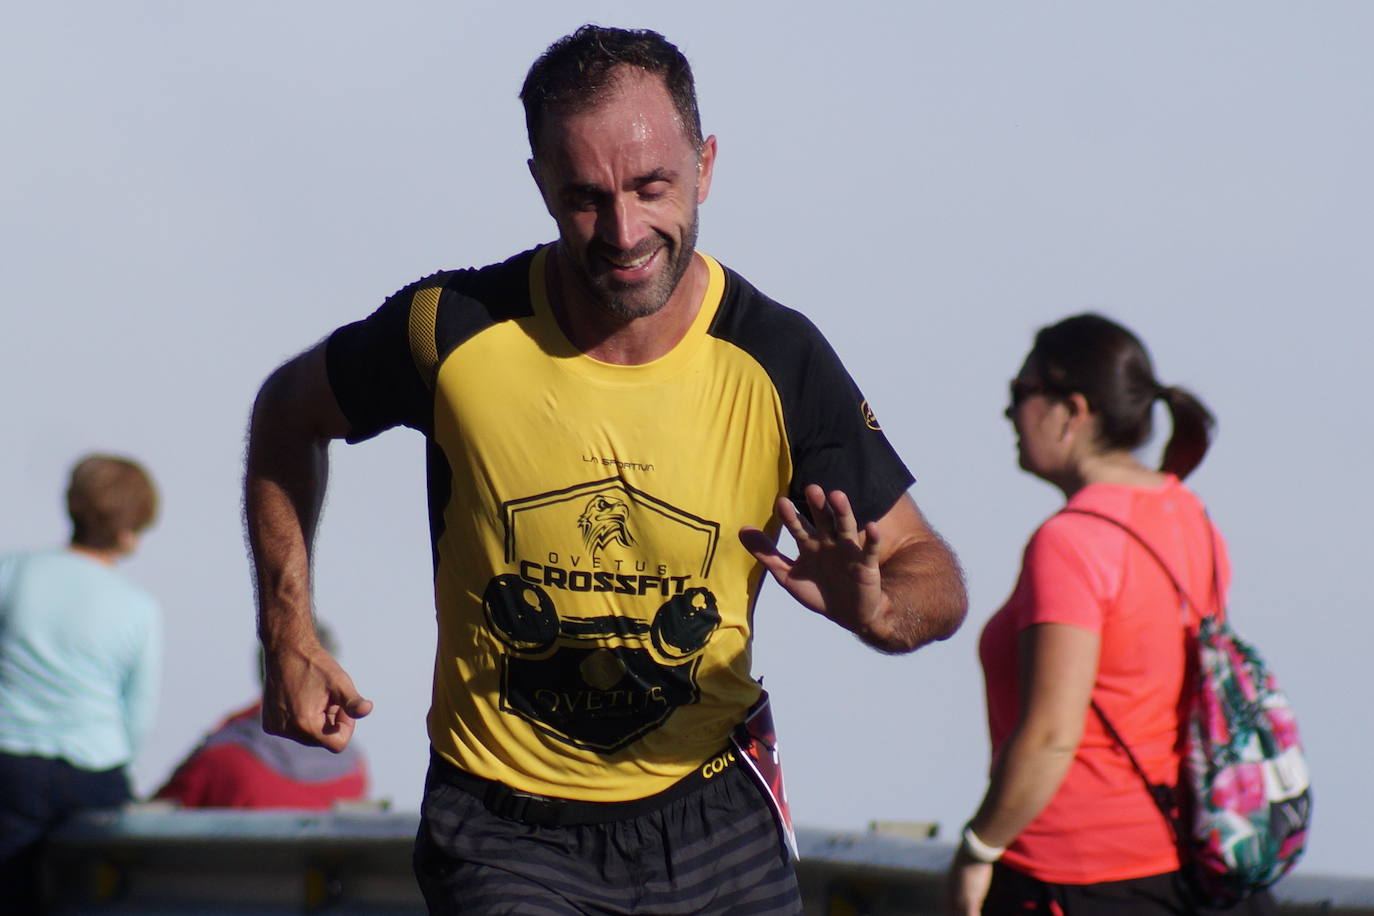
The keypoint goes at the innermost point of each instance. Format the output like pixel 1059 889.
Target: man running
pixel 603 414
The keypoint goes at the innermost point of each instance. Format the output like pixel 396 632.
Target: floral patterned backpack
pixel 1243 801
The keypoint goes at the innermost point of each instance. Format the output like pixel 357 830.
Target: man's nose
pixel 621 222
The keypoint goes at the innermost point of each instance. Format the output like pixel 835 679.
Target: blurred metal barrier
pixel 154 861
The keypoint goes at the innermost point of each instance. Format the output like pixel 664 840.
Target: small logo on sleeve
pixel 870 420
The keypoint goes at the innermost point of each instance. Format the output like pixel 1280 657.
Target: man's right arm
pixel 306 695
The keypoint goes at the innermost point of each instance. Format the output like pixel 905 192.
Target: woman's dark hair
pixel 1107 364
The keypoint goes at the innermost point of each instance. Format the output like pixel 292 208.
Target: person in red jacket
pixel 239 765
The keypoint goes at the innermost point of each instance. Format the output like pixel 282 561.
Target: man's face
pixel 623 181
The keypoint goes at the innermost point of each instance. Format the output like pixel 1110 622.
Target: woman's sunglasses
pixel 1020 390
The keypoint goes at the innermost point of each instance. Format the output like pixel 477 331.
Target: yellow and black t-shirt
pixel 594 603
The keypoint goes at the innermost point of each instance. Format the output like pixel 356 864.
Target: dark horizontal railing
pixel 149 860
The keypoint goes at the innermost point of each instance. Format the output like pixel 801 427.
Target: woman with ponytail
pixel 1067 826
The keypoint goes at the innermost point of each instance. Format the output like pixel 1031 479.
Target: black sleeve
pixel 834 438
pixel 373 374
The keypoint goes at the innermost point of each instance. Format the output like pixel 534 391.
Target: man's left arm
pixel 894 582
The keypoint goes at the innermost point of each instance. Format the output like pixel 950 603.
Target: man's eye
pixel 653 190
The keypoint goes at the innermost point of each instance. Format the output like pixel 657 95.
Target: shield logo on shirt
pixel 605 617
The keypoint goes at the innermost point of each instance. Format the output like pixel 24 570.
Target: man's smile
pixel 630 267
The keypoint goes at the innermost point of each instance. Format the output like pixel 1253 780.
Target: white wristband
pixel 977 849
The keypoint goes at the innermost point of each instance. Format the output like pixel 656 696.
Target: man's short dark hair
pixel 577 69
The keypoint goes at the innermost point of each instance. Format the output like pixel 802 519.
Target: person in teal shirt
pixel 80 656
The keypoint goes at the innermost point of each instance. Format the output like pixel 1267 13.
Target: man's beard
pixel 638 300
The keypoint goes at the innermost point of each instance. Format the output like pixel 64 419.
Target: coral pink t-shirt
pixel 1102 824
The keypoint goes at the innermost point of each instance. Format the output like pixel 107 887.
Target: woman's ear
pixel 126 542
pixel 1078 415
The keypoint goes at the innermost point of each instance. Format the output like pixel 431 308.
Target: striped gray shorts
pixel 715 849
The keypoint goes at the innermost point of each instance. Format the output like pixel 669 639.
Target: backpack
pixel 1243 802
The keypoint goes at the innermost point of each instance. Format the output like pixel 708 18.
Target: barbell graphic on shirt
pixel 524 617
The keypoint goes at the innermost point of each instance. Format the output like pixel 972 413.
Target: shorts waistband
pixel 549 811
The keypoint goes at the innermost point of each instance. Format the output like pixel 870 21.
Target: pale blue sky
pixel 190 193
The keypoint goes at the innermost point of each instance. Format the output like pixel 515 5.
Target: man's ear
pixel 706 163
pixel 539 183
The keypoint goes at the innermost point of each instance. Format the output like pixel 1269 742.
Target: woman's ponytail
pixel 1192 432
